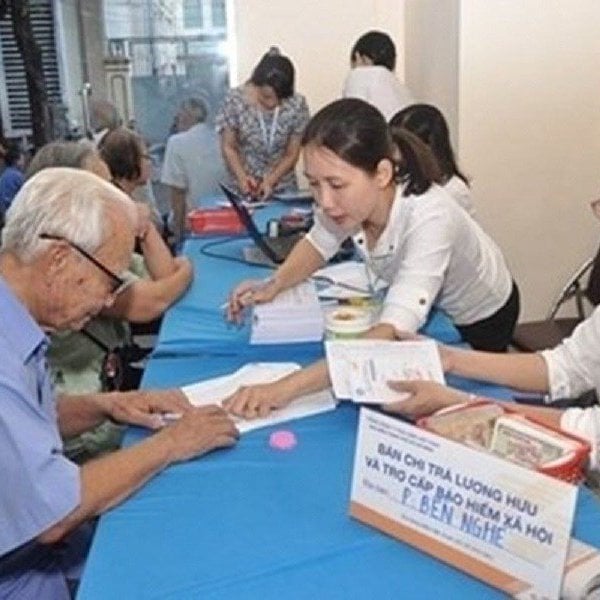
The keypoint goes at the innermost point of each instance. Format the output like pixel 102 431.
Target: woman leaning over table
pixel 379 186
pixel 566 371
pixel 261 124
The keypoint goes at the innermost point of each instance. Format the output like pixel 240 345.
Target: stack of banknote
pixel 528 444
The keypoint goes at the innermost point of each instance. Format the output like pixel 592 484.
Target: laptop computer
pixel 266 251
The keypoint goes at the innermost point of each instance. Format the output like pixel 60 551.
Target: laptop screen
pixel 246 219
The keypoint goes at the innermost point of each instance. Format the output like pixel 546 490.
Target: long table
pixel 251 522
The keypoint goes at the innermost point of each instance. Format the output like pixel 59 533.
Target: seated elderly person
pixel 567 371
pixel 156 278
pixel 67 236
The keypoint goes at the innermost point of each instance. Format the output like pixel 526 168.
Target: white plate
pixel 294 196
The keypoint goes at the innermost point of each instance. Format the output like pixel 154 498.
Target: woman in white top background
pixel 410 233
pixel 372 78
pixel 428 123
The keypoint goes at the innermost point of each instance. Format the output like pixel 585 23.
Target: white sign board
pixel 500 522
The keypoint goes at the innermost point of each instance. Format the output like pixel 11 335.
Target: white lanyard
pixel 268 140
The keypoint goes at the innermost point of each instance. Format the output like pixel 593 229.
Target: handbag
pixel 122 366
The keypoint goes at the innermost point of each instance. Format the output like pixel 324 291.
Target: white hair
pixel 70 203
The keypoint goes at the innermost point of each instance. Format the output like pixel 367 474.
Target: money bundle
pixel 528 444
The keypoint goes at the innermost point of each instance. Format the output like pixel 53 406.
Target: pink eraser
pixel 282 440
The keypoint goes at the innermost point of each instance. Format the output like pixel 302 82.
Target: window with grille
pixel 218 13
pixel 14 101
pixel 192 13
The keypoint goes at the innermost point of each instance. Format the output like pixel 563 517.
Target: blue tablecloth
pixel 250 522
pixel 253 523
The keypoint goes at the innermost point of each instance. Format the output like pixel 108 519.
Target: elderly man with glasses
pixel 67 236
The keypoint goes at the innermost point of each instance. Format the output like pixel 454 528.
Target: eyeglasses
pixel 118 282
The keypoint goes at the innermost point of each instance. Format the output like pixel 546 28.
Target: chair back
pixel 592 291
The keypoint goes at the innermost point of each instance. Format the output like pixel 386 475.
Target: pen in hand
pixel 246 296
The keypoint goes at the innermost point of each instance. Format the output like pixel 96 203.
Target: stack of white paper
pixel 292 316
pixel 214 391
pixel 360 369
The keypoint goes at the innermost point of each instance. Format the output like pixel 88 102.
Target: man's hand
pixel 257 401
pixel 198 431
pixel 145 408
pixel 425 398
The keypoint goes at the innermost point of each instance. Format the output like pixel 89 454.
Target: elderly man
pixel 67 236
pixel 193 166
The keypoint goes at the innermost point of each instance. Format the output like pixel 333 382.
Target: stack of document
pixel 293 316
pixel 360 369
pixel 214 391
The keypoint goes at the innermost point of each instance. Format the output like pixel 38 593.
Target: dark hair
pixel 122 150
pixel 377 46
pixel 357 132
pixel 354 130
pixel 417 168
pixel 276 71
pixel 428 123
pixel 12 154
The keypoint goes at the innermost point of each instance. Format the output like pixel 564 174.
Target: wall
pixel 529 122
pixel 316 35
pixel 432 55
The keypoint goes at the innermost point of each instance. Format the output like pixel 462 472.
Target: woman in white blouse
pixel 411 234
pixel 567 371
pixel 429 124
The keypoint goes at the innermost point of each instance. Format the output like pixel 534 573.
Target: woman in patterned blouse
pixel 261 124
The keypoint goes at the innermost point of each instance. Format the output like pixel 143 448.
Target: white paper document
pixel 348 279
pixel 360 369
pixel 293 316
pixel 213 391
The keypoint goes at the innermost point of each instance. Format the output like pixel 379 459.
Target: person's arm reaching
pixel 108 480
pixel 231 155
pixel 526 372
pixel 259 400
pixel 147 299
pixel 284 165
pixel 80 412
pixel 157 257
pixel 427 397
pixel 300 264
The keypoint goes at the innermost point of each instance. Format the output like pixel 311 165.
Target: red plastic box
pixel 214 221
